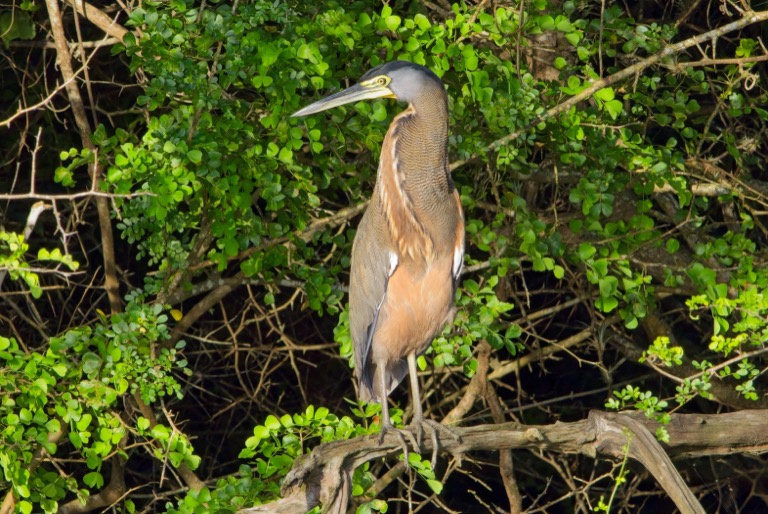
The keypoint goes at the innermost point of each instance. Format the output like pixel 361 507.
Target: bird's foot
pixel 419 426
pixel 404 437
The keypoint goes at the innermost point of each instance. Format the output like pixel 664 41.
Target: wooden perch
pixel 324 475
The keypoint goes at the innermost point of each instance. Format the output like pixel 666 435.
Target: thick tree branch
pixel 323 476
pixel 620 435
pixel 104 498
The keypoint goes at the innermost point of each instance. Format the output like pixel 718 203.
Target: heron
pixel 408 252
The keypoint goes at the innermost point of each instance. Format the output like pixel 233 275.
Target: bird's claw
pixel 414 436
pixel 419 426
pixel 403 436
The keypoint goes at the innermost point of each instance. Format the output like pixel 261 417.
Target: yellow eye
pixel 382 81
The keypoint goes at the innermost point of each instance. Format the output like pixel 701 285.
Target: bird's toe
pixel 404 437
pixel 419 426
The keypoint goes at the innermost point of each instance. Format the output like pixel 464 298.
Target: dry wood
pixel 323 476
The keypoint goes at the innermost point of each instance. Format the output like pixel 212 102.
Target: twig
pixel 516 366
pixel 506 464
pixel 47 44
pixel 714 62
pixel 72 196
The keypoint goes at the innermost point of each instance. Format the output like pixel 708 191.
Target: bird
pixel 408 252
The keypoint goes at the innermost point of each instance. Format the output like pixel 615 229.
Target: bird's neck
pixel 414 188
pixel 420 136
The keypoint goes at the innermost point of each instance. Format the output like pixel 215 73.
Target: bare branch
pixel 102 20
pixel 322 476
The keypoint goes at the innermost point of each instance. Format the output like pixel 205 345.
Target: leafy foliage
pixel 623 224
pixel 72 389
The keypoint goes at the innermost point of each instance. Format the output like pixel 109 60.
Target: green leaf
pixel 142 423
pixel 286 155
pixel 672 245
pixel 16 24
pixel 304 52
pixel 64 176
pixel 91 363
pixel 93 480
pixel 272 423
pixel 436 486
pixel 606 303
pixel 573 38
pixel 85 420
pixel 392 22
pixel 470 58
pixel 195 156
pixel 586 251
pixel 614 108
pixel 605 94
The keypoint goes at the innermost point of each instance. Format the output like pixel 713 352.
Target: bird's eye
pixel 382 81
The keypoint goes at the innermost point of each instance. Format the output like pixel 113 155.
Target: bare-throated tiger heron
pixel 409 248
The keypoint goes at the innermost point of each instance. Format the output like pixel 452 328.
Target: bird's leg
pixel 419 423
pixel 386 422
pixel 418 414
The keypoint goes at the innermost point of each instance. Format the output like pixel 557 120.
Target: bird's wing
pixel 372 265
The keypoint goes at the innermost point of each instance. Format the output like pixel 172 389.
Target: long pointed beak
pixel 347 96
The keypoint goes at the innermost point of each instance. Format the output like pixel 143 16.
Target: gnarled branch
pixel 323 476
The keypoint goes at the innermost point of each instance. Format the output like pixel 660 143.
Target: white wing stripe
pixel 458 261
pixel 393 262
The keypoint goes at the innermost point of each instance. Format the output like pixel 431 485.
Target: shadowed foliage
pixel 175 249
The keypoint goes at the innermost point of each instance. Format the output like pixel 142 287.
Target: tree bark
pixel 323 476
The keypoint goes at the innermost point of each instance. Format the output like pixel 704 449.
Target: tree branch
pixel 102 20
pixel 323 476
pixel 655 327
pixel 104 498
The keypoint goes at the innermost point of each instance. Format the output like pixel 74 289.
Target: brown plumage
pixel 408 252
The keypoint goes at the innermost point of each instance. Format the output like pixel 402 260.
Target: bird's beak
pixel 348 96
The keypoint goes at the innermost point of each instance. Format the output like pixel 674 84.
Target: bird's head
pixel 402 80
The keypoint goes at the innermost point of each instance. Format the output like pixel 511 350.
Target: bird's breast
pixel 419 303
